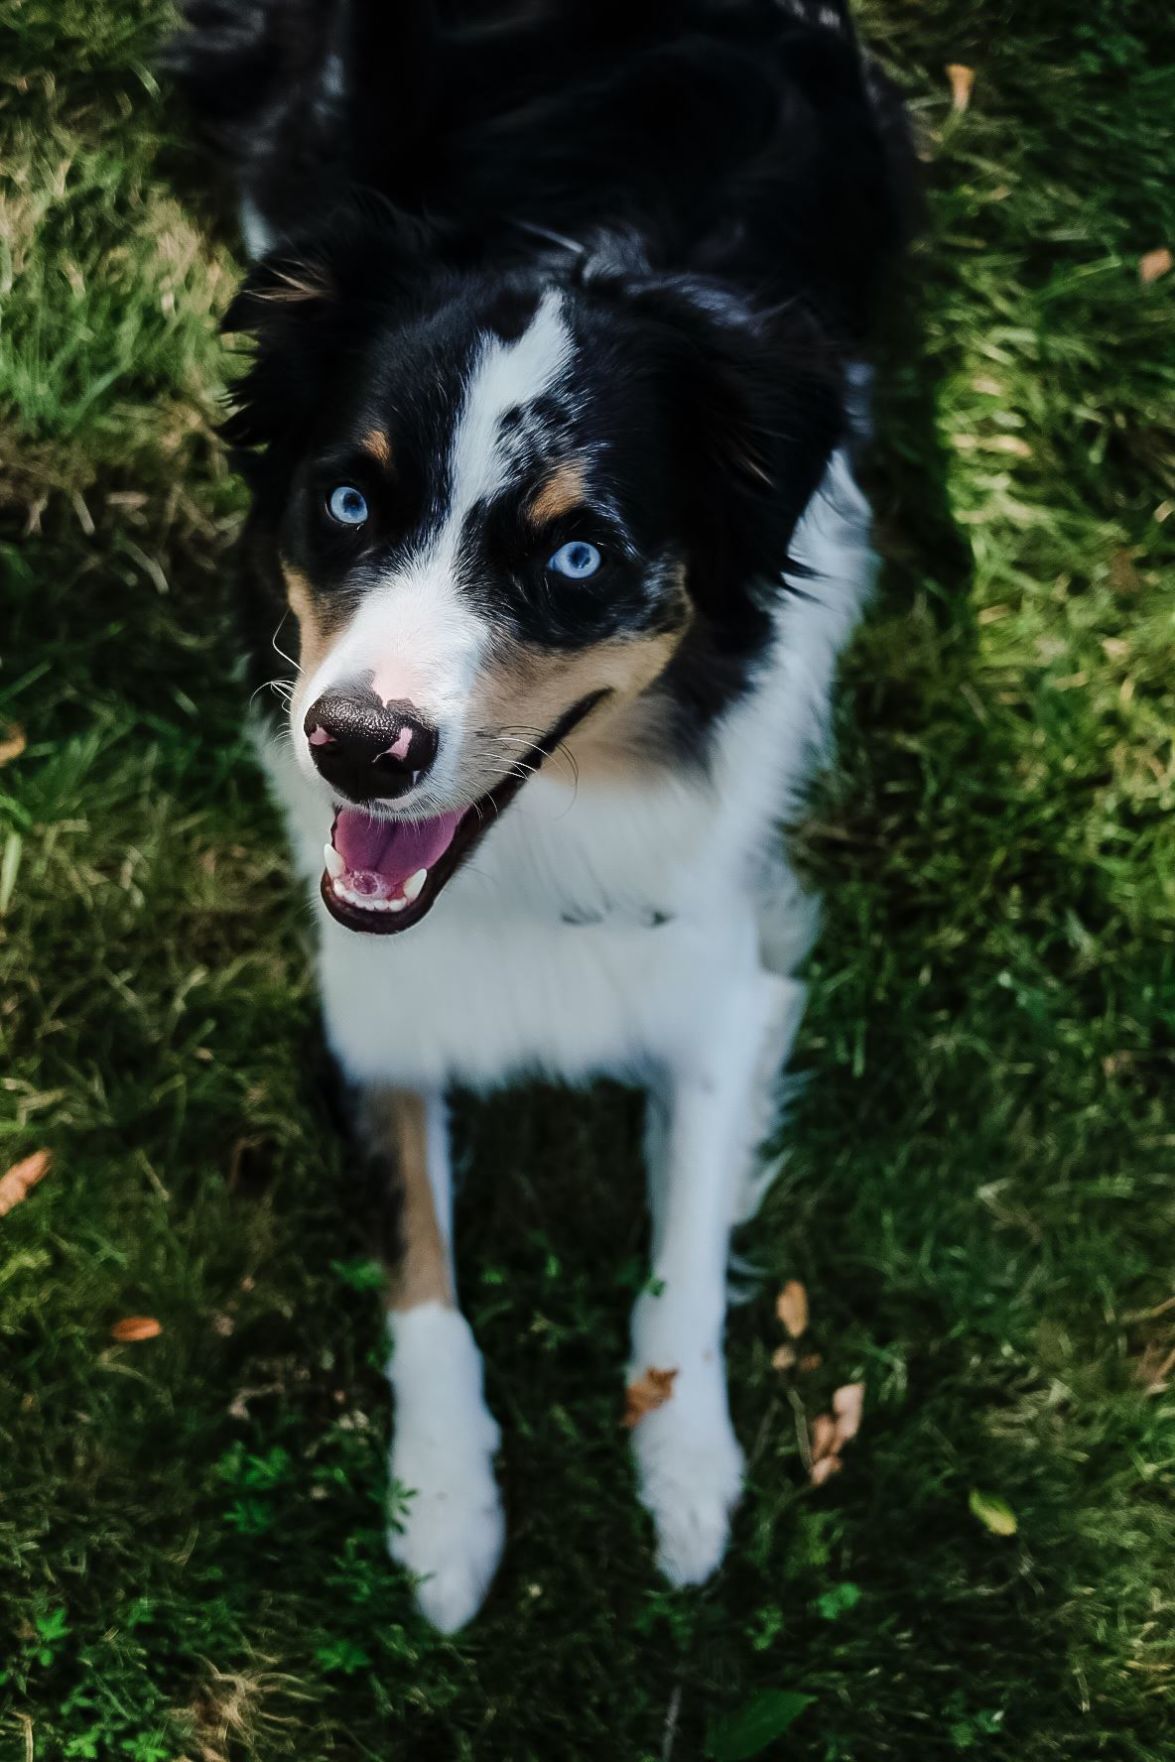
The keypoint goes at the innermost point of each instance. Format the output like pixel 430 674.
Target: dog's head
pixel 508 510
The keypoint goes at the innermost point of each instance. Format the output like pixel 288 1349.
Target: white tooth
pixel 414 883
pixel 365 902
pixel 396 905
pixel 335 866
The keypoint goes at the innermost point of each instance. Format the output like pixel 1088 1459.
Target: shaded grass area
pixel 979 1192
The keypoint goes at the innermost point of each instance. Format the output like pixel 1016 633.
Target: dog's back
pixel 747 140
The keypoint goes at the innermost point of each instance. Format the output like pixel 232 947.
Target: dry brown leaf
pixel 809 1362
pixel 791 1306
pixel 783 1358
pixel 13 741
pixel 136 1327
pixel 1153 264
pixel 21 1178
pixel 650 1391
pixel 823 1469
pixel 822 1436
pixel 962 81
pixel 848 1404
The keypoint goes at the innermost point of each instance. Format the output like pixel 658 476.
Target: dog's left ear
pixel 755 402
pixel 760 411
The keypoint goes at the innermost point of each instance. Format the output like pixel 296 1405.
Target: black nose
pixel 368 749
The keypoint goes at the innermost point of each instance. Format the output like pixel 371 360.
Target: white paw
pixel 690 1473
pixel 450 1531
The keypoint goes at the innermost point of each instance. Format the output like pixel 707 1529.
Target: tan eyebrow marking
pixel 564 489
pixel 376 442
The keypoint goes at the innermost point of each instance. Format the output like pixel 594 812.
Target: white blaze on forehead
pixel 505 376
pixel 415 633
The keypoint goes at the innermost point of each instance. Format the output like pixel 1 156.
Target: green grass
pixel 979 1197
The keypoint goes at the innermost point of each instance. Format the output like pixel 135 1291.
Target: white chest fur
pixel 595 928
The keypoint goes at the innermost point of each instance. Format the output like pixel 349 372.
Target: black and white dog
pixel 558 321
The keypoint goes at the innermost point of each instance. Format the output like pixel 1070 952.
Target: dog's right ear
pixel 289 306
pixel 309 305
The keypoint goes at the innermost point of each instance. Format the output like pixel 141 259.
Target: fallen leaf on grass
pixel 994 1513
pixel 136 1327
pixel 783 1358
pixel 822 1436
pixel 830 1432
pixel 13 741
pixel 962 83
pixel 848 1404
pixel 650 1391
pixel 1153 264
pixel 791 1306
pixel 21 1178
pixel 809 1362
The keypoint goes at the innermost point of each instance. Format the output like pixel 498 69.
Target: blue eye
pixel 576 560
pixel 347 505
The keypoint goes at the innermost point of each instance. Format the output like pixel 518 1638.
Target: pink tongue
pixel 394 849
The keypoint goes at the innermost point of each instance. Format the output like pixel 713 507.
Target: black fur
pixel 715 185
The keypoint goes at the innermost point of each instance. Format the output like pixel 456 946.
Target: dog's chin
pixel 383 875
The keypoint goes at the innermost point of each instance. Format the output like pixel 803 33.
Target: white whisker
pixel 289 659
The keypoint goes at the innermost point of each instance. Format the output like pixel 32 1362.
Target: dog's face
pixel 502 512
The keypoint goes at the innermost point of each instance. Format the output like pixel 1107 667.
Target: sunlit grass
pixel 979 1196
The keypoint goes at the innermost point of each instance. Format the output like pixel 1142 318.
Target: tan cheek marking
pixel 532 687
pixel 394 1124
pixel 624 735
pixel 531 690
pixel 564 490
pixel 312 643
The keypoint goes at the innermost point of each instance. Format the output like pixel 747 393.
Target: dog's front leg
pixel 706 1114
pixel 450 1534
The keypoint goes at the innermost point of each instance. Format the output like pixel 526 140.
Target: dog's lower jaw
pixel 450 1534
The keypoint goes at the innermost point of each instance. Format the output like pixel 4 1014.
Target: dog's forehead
pixel 514 402
pixel 469 363
pixel 495 398
pixel 493 420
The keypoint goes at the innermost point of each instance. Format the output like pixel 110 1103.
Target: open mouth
pixel 383 875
